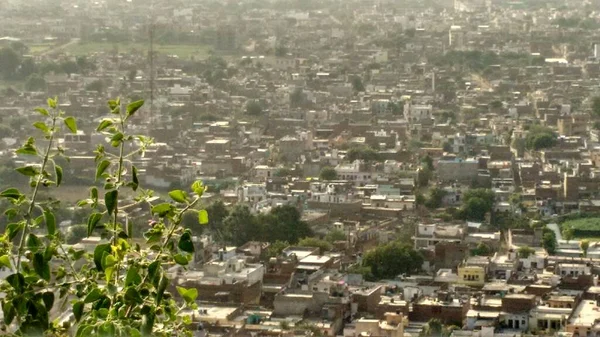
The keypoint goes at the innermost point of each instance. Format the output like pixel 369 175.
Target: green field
pixel 585 228
pixel 585 224
pixel 38 48
pixel 182 51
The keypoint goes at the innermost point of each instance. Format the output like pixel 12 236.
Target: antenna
pixel 151 58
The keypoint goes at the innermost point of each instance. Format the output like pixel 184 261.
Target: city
pixel 253 168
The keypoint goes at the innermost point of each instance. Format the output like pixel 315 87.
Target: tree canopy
pixel 540 138
pixel 393 259
pixel 328 173
pixel 476 203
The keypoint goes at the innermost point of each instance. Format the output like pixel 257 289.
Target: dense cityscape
pixel 254 168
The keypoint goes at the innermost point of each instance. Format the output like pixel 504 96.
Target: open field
pixel 182 51
pixel 39 48
pixel 584 224
pixel 585 228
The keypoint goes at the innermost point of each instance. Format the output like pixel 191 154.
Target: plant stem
pixel 36 189
pixel 118 186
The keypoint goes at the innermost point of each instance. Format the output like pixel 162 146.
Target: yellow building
pixel 471 275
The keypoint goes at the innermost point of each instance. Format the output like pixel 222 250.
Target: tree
pixel 549 242
pixel 297 98
pixel 568 233
pixel 75 234
pixel 435 198
pixel 281 50
pixel 393 259
pixel 481 250
pixel 365 153
pixel 241 226
pixel 476 203
pixel 9 63
pixel 328 173
pixel 69 67
pixel 584 245
pixel 539 138
pixel 284 223
pixel 190 221
pixel 218 212
pixel 35 83
pixel 97 85
pixel 447 147
pixel 335 235
pixel 428 163
pixel 276 248
pixel 423 176
pixel 525 251
pixel 254 108
pixel 283 172
pixel 433 328
pixel 323 245
pixel 596 106
pixel 357 84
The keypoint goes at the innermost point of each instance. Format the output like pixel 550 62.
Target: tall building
pixel 456 37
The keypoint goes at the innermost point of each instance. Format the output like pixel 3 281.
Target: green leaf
pixel 29 170
pixel 147 324
pixel 154 272
pixel 162 286
pixel 71 124
pixel 41 266
pixel 99 253
pixel 203 217
pixel 41 126
pixel 28 150
pixel 101 167
pixel 17 281
pixel 13 229
pixel 42 111
pixel 110 200
pixel 133 107
pixel 133 332
pixel 9 312
pixel 132 296
pixel 78 310
pixel 133 276
pixel 163 210
pixel 92 222
pixel 108 261
pixel 198 188
pixel 113 104
pixel 33 242
pixel 59 174
pixel 136 182
pixel 104 124
pixel 52 103
pixel 185 243
pixel 189 295
pixel 93 296
pixel 94 194
pixel 108 272
pixel 48 298
pixel 5 262
pixel 50 222
pixel 11 193
pixel 181 260
pixel 178 196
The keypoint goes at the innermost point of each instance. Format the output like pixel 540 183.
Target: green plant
pixel 119 289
